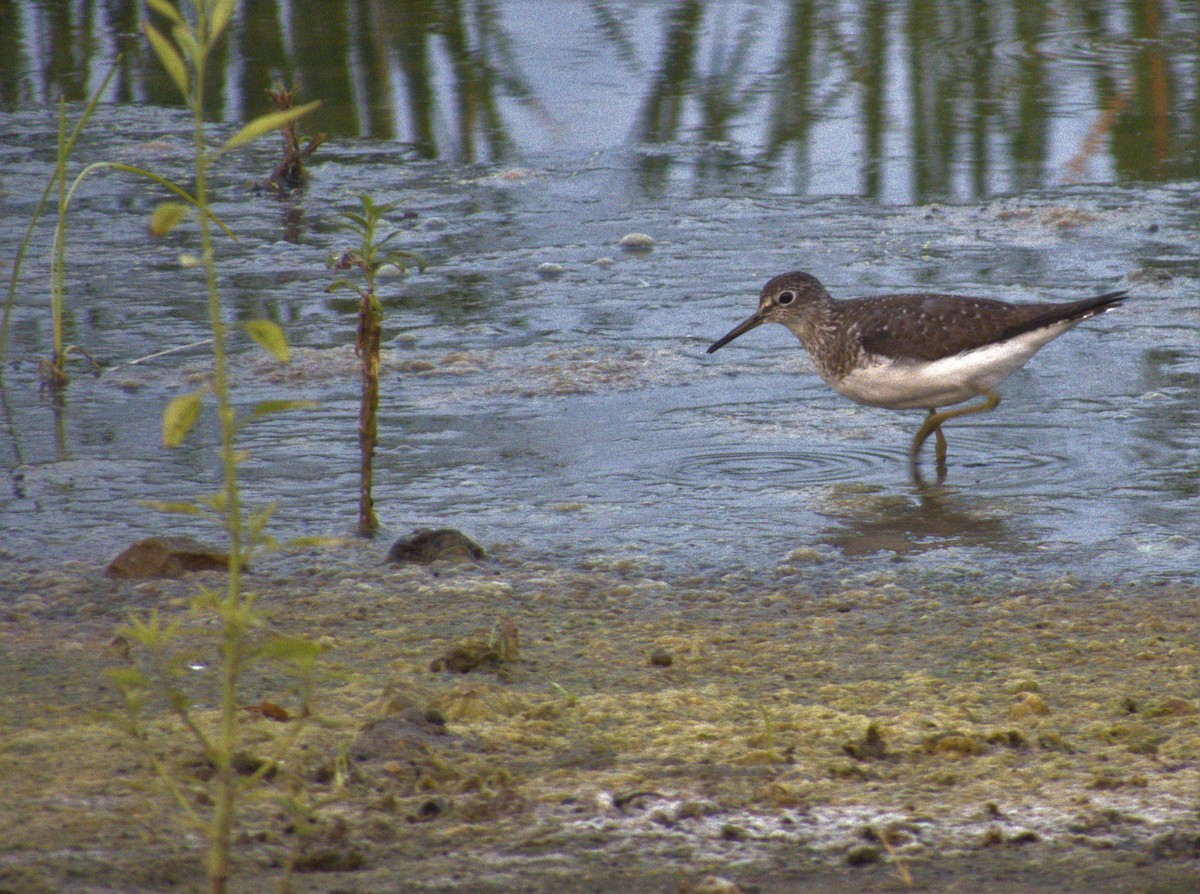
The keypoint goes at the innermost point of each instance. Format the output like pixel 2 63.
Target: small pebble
pixel 661 658
pixel 637 242
pixel 709 884
pixel 550 270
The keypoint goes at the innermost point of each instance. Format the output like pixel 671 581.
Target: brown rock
pixel 166 557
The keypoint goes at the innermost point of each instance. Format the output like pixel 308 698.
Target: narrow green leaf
pixel 206 600
pixel 257 520
pixel 266 407
pixel 166 10
pixel 340 284
pixel 372 210
pixel 260 516
pixel 166 217
pixel 386 239
pixel 402 260
pixel 150 632
pixel 267 123
pixel 179 508
pixel 141 172
pixel 359 221
pixel 186 38
pixel 179 417
pixel 217 501
pixel 221 15
pixel 238 615
pixel 169 57
pixel 137 625
pixel 126 678
pixel 270 337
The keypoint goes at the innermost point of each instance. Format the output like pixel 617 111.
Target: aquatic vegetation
pixel 166 216
pixel 486 650
pixel 369 258
pixel 870 747
pixel 56 372
pixel 227 636
pixel 888 837
pixel 768 742
pixel 290 173
pixel 172 662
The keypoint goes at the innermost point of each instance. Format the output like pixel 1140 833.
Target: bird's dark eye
pixel 785 298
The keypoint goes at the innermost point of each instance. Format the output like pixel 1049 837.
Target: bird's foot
pixel 933 425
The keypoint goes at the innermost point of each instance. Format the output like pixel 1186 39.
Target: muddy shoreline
pixel 657 729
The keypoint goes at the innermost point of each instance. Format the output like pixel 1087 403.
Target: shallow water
pixel 578 413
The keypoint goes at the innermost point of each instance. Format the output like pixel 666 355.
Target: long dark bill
pixel 740 329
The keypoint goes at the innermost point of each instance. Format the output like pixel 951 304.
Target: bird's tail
pixel 1089 307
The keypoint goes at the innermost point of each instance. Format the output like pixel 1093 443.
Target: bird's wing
pixel 929 327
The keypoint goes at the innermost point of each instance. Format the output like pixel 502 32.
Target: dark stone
pixel 402 734
pixel 427 545
pixel 330 859
pixel 863 855
pixel 247 764
pixel 431 810
pixel 661 658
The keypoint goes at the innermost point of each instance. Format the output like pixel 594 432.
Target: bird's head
pixel 788 299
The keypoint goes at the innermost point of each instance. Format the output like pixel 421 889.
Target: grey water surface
pixel 572 410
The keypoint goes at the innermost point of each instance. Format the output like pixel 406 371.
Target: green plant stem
pixel 221 831
pixel 370 328
pixel 64 152
pixel 58 360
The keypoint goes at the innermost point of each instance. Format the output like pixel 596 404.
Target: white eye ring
pixel 785 298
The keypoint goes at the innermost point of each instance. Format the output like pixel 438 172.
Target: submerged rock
pixel 426 546
pixel 166 557
pixel 637 242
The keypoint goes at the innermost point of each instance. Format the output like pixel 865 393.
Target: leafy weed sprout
pixel 54 371
pixel 369 258
pixel 228 635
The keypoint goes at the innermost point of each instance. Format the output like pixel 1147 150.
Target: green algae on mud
pixel 987 734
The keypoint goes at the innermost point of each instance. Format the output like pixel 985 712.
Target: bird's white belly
pixel 907 384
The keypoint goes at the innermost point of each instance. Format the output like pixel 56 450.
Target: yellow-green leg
pixel 933 424
pixel 939 443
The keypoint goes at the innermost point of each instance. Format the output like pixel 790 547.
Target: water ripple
pixel 793 468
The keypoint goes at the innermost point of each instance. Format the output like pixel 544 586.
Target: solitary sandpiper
pixel 915 351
